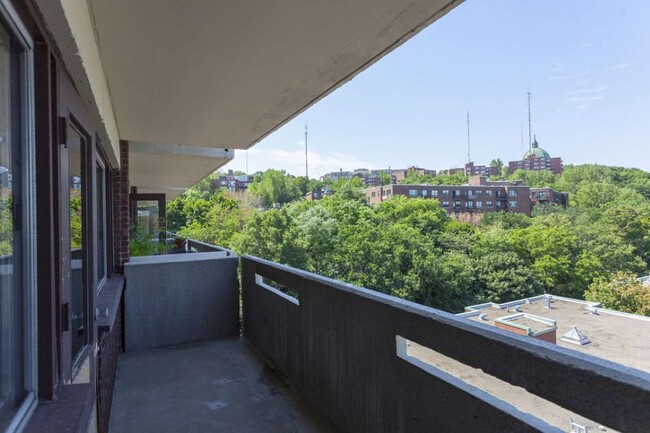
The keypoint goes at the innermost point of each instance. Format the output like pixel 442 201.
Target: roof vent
pixel 518 309
pixel 547 301
pixel 576 337
pixel 483 317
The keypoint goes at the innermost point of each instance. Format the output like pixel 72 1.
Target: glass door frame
pixel 28 220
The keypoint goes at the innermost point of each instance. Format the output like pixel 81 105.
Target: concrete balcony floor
pixel 214 386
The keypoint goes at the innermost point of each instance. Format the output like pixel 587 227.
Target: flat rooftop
pixel 615 336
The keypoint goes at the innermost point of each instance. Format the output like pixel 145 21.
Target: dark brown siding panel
pixel 110 345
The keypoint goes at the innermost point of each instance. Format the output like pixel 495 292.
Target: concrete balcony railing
pixel 362 361
pixel 372 362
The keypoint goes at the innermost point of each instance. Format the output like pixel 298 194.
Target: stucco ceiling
pixel 225 74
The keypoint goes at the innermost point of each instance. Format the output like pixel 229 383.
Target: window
pixel 457 193
pixel 434 193
pixel 469 204
pixel 479 192
pixel 470 193
pixel 445 204
pixel 445 192
pixel 479 204
pixel 76 151
pixel 413 192
pixel 102 240
pixel 512 193
pixel 533 194
pixel 17 271
pixel 457 203
pixel 488 193
pixel 488 203
pixel 512 203
pixel 424 193
pixel 373 194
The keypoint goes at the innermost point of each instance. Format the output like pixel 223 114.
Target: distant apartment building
pixel 480 170
pixel 402 173
pixel 372 177
pixel 233 183
pixel 537 159
pixel 471 169
pixel 479 195
pixel 318 194
pixel 548 196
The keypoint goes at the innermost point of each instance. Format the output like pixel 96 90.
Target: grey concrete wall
pixel 179 298
pixel 337 345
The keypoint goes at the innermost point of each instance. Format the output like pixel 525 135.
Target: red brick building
pixel 480 195
pixel 548 196
pixel 233 183
pixel 537 159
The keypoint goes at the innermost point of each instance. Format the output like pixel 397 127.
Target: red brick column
pixel 121 214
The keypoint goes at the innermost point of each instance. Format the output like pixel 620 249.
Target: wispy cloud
pixel 618 67
pixel 596 90
pixel 293 161
pixel 557 68
pixel 568 77
pixel 583 98
pixel 586 45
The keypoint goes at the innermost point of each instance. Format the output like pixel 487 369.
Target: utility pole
pixel 469 157
pixel 530 127
pixel 306 161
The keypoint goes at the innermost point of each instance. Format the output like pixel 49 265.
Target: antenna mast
pixel 306 162
pixel 530 128
pixel 469 158
pixel 522 138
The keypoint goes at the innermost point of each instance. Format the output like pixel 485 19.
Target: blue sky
pixel 586 62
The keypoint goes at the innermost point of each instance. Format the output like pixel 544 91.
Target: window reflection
pixel 77 244
pixel 101 221
pixel 12 383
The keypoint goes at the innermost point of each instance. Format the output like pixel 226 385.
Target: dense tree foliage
pixel 622 291
pixel 410 248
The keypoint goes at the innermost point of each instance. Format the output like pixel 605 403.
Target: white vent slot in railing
pixel 277 288
pixel 487 387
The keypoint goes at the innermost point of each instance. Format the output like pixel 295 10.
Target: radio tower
pixel 530 127
pixel 469 157
pixel 306 161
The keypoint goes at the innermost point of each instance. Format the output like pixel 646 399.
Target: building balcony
pixel 308 353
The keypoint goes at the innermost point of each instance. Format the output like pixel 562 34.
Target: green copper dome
pixel 536 151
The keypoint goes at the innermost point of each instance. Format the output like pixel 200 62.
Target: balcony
pixel 309 353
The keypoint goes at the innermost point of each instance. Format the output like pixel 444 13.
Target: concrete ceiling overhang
pixel 225 74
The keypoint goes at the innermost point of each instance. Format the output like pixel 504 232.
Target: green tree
pixel 503 277
pixel 497 163
pixel 385 178
pixel 275 187
pixel 622 292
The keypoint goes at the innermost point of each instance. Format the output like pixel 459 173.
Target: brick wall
pixel 547 336
pixel 121 222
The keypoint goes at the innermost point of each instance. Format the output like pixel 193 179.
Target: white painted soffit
pixel 225 74
pixel 172 168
